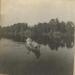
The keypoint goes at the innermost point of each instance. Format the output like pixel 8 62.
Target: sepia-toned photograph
pixel 37 37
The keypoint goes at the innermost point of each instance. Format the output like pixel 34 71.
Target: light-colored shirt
pixel 31 44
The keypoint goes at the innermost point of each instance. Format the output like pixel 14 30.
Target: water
pixel 15 59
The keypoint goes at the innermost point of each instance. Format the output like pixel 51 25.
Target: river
pixel 15 60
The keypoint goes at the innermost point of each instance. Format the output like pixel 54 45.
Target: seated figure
pixel 32 44
pixel 29 42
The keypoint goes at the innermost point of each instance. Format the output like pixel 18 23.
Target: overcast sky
pixel 34 11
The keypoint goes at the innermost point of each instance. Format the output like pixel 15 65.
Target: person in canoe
pixel 33 46
pixel 29 43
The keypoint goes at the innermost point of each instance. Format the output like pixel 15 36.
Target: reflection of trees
pixel 36 51
pixel 15 31
pixel 54 33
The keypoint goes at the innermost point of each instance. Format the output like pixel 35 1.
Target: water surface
pixel 15 60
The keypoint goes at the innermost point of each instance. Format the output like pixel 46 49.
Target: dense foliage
pixel 54 33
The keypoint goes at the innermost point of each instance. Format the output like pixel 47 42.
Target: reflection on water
pixel 55 42
pixel 15 60
pixel 36 52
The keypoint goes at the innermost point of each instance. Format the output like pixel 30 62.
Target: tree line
pixel 54 33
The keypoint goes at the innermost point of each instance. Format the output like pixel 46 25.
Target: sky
pixel 35 11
